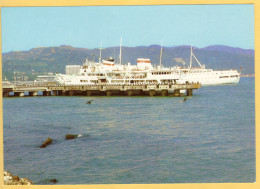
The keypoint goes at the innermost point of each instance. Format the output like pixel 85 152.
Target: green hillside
pixel 42 60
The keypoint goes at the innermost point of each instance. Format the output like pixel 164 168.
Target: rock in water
pixel 16 178
pixel 89 102
pixel 9 179
pixel 54 180
pixel 70 136
pixel 46 143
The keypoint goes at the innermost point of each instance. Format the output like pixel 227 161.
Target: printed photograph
pixel 128 94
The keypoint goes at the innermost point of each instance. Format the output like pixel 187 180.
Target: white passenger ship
pixel 108 72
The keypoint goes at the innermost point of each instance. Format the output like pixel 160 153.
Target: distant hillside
pixel 54 59
pixel 222 48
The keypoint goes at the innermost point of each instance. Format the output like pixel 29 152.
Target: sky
pixel 24 28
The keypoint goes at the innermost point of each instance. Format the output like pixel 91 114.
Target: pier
pixel 99 90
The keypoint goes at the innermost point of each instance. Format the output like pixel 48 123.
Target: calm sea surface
pixel 209 138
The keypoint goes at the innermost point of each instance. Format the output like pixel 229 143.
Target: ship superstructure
pixel 109 72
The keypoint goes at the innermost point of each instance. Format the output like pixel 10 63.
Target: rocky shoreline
pixel 10 179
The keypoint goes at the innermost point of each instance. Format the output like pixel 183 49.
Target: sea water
pixel 209 138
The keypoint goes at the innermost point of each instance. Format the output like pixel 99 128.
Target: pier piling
pixel 33 93
pixel 71 93
pixel 16 93
pixel 129 93
pixel 164 93
pixel 189 92
pixel 46 93
pixel 109 93
pixel 177 92
pixel 88 93
pixel 5 94
pixel 151 93
pixel 55 93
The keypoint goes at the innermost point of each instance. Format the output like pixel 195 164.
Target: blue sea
pixel 209 138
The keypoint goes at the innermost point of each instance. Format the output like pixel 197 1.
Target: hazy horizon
pixel 124 46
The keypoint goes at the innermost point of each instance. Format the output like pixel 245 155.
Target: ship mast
pixel 120 54
pixel 161 54
pixel 100 53
pixel 191 56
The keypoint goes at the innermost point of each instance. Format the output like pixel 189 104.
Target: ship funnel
pixel 144 63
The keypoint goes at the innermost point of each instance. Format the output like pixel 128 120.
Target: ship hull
pixel 211 78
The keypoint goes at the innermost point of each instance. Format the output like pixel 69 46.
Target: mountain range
pixel 42 60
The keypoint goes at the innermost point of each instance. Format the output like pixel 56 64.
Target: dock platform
pixel 100 90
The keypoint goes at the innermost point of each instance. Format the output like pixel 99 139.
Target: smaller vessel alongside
pixel 206 76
